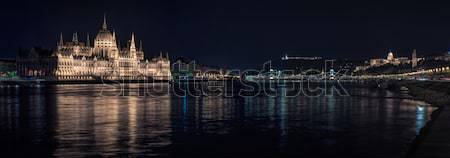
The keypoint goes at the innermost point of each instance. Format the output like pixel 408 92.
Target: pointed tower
pixel 132 44
pixel 61 40
pixel 88 41
pixel 75 37
pixel 104 26
pixel 140 51
pixel 114 50
pixel 114 43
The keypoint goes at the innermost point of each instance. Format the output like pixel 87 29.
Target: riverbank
pixel 434 138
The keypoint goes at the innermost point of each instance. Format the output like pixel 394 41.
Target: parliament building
pixel 105 59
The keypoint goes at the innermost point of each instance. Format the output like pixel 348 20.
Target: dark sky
pixel 238 34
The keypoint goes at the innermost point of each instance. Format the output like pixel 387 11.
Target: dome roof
pixel 104 35
pixel 390 56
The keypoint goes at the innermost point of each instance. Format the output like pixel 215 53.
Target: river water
pixel 92 120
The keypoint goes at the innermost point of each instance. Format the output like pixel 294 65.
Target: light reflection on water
pixel 75 121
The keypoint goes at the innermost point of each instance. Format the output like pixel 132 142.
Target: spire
pixel 75 37
pixel 88 41
pixel 114 38
pixel 160 54
pixel 114 35
pixel 167 55
pixel 61 41
pixel 132 43
pixel 104 27
pixel 140 45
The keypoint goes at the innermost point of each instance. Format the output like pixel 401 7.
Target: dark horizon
pixel 237 34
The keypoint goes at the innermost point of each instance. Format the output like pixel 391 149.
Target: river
pixel 82 120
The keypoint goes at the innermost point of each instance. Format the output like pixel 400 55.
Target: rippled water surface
pixel 77 121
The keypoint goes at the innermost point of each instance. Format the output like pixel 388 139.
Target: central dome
pixel 104 35
pixel 104 38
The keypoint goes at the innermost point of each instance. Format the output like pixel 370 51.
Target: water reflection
pixel 421 116
pixel 75 121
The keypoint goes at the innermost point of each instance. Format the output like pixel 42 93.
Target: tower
pixel 114 50
pixel 61 41
pixel 104 26
pixel 414 59
pixel 114 42
pixel 88 41
pixel 132 46
pixel 75 37
pixel 140 52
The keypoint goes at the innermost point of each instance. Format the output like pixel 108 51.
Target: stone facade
pixel 76 60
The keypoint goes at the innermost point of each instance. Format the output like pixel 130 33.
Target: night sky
pixel 236 34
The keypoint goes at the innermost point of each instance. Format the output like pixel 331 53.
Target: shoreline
pixel 426 92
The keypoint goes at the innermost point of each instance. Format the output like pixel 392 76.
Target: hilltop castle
pixel 76 60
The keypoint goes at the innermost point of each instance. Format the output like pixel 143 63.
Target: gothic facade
pixel 76 60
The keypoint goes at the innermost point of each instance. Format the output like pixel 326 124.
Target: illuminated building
pixel 76 60
pixel 390 59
